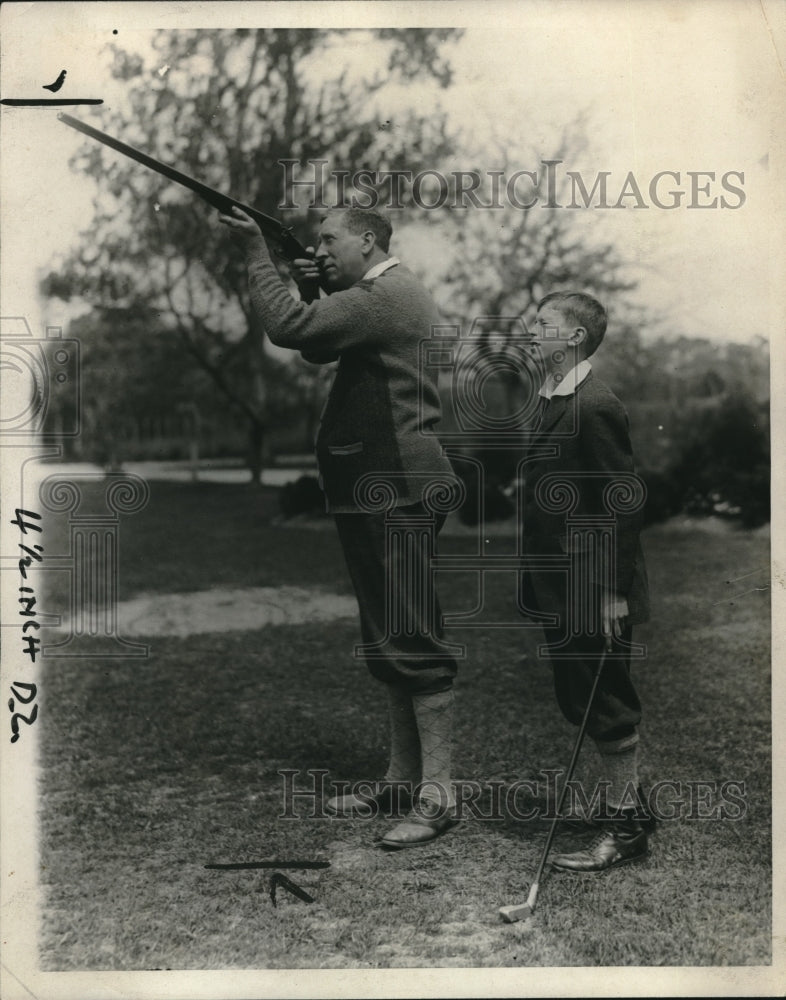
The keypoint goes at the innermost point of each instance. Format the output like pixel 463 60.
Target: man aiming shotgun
pixel 379 419
pixel 376 421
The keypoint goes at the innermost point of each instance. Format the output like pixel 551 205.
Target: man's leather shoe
pixel 425 823
pixel 390 797
pixel 609 849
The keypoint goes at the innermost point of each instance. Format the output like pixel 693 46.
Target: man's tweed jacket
pixel 590 428
pixel 382 408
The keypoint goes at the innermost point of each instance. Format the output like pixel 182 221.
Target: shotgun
pixel 272 229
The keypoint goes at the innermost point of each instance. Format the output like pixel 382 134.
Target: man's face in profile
pixel 340 253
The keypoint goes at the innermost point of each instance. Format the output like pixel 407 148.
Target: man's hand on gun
pixel 243 229
pixel 305 270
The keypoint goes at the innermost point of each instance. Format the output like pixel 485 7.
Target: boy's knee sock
pixel 619 762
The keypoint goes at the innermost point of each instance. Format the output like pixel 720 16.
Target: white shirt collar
pixel 380 268
pixel 568 384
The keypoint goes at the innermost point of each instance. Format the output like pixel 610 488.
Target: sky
pixel 664 87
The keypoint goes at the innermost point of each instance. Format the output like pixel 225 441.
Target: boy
pixel 582 437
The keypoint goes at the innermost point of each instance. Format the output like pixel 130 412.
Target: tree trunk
pixel 257 451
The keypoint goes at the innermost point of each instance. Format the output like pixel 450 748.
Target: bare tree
pixel 505 259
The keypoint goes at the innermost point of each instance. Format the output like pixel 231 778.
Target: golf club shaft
pixel 572 766
pixel 519 911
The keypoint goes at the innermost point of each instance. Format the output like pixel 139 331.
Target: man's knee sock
pixel 434 714
pixel 619 761
pixel 404 741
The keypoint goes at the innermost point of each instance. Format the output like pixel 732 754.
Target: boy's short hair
pixel 362 220
pixel 582 310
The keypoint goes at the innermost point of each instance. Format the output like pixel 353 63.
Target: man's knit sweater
pixel 380 415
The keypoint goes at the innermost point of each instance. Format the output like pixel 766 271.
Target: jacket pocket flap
pixel 345 449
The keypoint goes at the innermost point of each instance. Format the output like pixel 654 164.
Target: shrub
pixel 304 496
pixel 723 466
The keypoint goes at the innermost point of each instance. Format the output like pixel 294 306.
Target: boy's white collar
pixel 569 382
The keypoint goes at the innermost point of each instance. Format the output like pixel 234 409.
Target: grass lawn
pixel 153 768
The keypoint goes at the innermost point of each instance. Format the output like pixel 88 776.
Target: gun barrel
pixel 290 247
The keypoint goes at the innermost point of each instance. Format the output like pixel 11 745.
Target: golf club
pixel 518 911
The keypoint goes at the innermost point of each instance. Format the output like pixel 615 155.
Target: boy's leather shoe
pixel 611 847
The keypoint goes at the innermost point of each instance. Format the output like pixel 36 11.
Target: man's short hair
pixel 582 310
pixel 363 220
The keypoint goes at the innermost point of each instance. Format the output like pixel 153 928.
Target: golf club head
pixel 520 911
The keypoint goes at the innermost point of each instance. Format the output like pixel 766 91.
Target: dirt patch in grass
pixel 225 609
